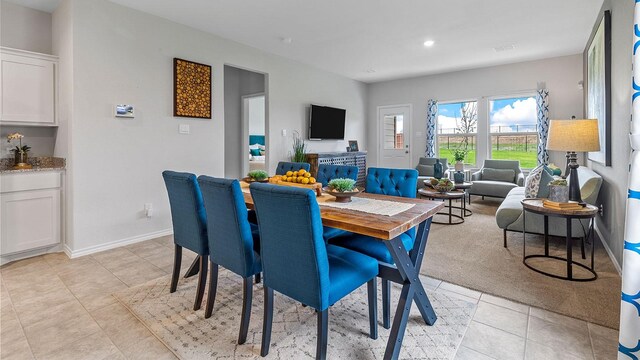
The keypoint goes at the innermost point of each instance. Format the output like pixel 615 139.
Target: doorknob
pixel 406 152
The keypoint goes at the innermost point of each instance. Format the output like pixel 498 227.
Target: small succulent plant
pixel 342 185
pixel 558 182
pixel 258 175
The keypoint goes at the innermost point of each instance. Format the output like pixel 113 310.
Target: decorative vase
pixel 459 166
pixel 21 160
pixel 559 193
pixel 458 177
pixel 437 170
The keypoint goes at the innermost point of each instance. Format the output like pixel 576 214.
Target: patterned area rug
pixel 190 336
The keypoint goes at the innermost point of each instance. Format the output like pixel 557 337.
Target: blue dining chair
pixel 394 182
pixel 231 242
pixel 327 173
pixel 284 166
pixel 189 220
pixel 297 263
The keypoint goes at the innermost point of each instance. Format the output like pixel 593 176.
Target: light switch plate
pixel 284 132
pixel 184 129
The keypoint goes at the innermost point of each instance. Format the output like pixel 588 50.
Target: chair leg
pixel 202 282
pixel 194 268
pixel 504 233
pixel 213 287
pixel 257 278
pixel 323 334
pixel 372 286
pixel 177 262
pixel 267 321
pixel 386 304
pixel 247 296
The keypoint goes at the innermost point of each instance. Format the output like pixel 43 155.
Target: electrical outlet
pixel 184 129
pixel 148 209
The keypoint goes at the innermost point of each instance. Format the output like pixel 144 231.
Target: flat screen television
pixel 326 123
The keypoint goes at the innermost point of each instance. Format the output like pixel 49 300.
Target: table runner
pixel 371 206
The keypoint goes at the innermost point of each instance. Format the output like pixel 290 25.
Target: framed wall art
pixel 597 59
pixel 191 89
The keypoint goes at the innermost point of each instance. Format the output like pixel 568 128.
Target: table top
pixel 379 226
pixel 536 205
pixel 433 193
pixel 464 185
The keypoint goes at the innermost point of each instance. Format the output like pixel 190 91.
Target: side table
pixel 450 195
pixel 536 206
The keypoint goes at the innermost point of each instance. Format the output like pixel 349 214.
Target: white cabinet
pixel 30 208
pixel 28 84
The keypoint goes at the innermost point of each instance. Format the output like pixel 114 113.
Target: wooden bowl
pixel 444 189
pixel 250 180
pixel 341 197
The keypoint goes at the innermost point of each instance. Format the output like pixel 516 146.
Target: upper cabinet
pixel 28 88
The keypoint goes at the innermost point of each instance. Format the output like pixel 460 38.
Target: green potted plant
pixel 459 155
pixel 559 191
pixel 257 175
pixel 299 148
pixel 342 189
pixel 20 152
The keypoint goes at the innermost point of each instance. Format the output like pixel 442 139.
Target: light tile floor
pixel 53 307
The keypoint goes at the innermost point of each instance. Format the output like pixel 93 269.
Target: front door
pixel 394 124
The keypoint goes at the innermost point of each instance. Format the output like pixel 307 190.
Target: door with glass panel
pixel 394 123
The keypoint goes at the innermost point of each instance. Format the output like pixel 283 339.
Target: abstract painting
pixel 191 89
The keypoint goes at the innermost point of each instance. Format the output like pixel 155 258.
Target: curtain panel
pixel 542 101
pixel 629 343
pixel 432 116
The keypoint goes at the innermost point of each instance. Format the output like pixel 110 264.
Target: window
pixel 458 129
pixel 393 132
pixel 513 132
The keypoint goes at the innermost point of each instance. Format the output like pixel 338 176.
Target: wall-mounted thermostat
pixel 124 110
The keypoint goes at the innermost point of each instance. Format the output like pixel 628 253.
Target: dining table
pixel 406 268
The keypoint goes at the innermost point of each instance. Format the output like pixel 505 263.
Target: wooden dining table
pixel 406 270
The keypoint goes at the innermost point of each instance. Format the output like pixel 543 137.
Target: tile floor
pixel 56 308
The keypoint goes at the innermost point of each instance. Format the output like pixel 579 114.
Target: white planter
pixel 459 166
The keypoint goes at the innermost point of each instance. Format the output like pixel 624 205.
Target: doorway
pixel 245 121
pixel 394 129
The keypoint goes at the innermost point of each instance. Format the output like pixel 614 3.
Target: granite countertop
pixel 40 163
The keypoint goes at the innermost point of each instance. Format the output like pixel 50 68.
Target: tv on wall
pixel 326 123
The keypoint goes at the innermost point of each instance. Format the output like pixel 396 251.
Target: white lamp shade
pixel 574 135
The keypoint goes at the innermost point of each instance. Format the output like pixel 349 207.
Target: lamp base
pixel 574 182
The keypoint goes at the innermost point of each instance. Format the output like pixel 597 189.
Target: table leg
pixel 593 240
pixel 569 251
pixel 194 268
pixel 546 235
pixel 450 210
pixel 408 267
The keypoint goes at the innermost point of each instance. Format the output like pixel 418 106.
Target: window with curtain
pixel 457 128
pixel 513 133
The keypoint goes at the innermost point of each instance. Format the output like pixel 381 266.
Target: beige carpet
pixel 472 255
pixel 190 336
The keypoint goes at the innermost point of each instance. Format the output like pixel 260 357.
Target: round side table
pixel 451 195
pixel 536 206
pixel 465 186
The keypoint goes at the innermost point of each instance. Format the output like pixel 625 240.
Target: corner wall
pixel 613 194
pixel 25 28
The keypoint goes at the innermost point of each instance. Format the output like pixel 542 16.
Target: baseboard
pixel 5 259
pixel 609 252
pixel 115 244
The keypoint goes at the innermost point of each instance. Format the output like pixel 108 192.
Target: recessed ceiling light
pixel 286 40
pixel 429 43
pixel 504 48
pixel 371 71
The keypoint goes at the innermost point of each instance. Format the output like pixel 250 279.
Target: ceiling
pixel 376 40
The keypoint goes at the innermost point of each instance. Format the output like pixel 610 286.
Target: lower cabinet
pixel 30 211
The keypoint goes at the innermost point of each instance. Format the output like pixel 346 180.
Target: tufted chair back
pixel 394 182
pixel 284 166
pixel 327 173
pixel 231 244
pixel 299 268
pixel 187 211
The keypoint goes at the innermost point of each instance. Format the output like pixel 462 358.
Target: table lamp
pixel 573 136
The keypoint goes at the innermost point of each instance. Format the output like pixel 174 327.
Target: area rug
pixel 190 336
pixel 472 255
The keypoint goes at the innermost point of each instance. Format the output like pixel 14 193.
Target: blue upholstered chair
pixel 231 241
pixel 297 263
pixel 189 227
pixel 284 166
pixel 327 173
pixel 394 182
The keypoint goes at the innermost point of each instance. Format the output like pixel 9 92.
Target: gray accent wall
pixel 25 28
pixel 613 195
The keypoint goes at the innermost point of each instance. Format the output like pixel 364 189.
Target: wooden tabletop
pixel 433 193
pixel 379 226
pixel 536 205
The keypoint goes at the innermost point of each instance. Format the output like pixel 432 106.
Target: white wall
pixel 613 195
pixel 256 115
pixel 561 76
pixel 25 28
pixel 121 55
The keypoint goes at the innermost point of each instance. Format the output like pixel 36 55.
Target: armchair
pixel 425 169
pixel 497 178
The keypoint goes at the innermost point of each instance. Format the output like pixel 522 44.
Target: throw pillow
pixel 543 189
pixel 507 175
pixel 255 152
pixel 425 170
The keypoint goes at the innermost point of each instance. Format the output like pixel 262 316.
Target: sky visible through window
pixel 513 115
